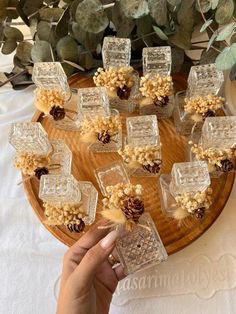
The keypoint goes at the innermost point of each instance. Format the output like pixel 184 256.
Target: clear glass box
pixel 50 75
pixel 204 80
pixel 116 52
pixel 71 121
pixel 140 248
pixel 219 132
pixel 113 146
pixel 93 101
pixel 111 175
pixel 61 155
pixel 129 105
pixel 30 137
pixel 188 177
pixel 157 60
pixel 61 189
pixel 164 112
pixel 143 131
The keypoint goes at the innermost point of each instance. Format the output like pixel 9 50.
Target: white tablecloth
pixel 199 279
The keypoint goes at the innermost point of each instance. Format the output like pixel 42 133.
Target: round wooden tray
pixel 174 237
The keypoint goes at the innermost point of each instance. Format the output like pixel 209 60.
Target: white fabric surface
pixel 199 279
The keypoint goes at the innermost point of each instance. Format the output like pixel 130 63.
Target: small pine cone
pixel 38 172
pixel 209 113
pixel 161 103
pixel 104 137
pixel 199 213
pixel 58 113
pixel 133 208
pixel 124 92
pixel 153 169
pixel 76 227
pixel 226 165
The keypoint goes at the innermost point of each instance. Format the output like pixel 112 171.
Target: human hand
pixel 88 280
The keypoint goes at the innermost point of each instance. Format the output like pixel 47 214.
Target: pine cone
pixel 58 113
pixel 76 227
pixel 161 103
pixel 199 213
pixel 133 208
pixel 124 92
pixel 153 169
pixel 38 172
pixel 209 113
pixel 226 165
pixel 104 137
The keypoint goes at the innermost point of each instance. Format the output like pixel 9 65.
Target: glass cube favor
pixel 142 138
pixel 50 75
pixel 203 80
pixel 116 52
pixel 219 132
pixel 111 175
pixel 65 189
pixel 187 177
pixel 140 248
pixel 61 158
pixel 30 137
pixel 157 60
pixel 93 101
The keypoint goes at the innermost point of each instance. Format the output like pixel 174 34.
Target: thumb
pixel 95 256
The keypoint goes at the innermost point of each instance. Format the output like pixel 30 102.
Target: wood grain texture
pixel 174 237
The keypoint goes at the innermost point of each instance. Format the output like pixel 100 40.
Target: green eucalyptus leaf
pixel 205 25
pixel 67 49
pixel 88 40
pixel 73 7
pixel 23 52
pixel 62 25
pixel 69 69
pixel 13 33
pixel 181 38
pixel 212 39
pixel 86 60
pixel 77 66
pixel 144 28
pixel 214 4
pixel 208 56
pixel 158 11
pixel 160 33
pixel 224 11
pixel 45 32
pixel 91 16
pixel 50 14
pixel 9 46
pixel 123 24
pixel 226 59
pixel 22 14
pixel 134 8
pixel 203 5
pixel 41 52
pixel 12 11
pixel 31 7
pixel 17 62
pixel 233 39
pixel 232 74
pixel 174 3
pixel 226 31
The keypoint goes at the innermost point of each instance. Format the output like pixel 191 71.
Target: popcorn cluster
pixel 91 128
pixel 199 106
pixel 63 214
pixel 189 204
pixel 27 163
pixel 212 156
pixel 123 205
pixel 157 88
pixel 135 156
pixel 45 99
pixel 114 78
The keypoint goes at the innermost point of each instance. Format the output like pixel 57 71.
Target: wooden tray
pixel 173 236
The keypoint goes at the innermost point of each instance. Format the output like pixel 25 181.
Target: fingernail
pixel 109 239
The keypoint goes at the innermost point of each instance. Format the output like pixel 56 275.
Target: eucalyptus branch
pixel 13 77
pixel 43 7
pixel 146 35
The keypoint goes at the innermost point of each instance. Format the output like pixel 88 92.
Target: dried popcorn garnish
pixel 201 107
pixel 124 204
pixel 45 99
